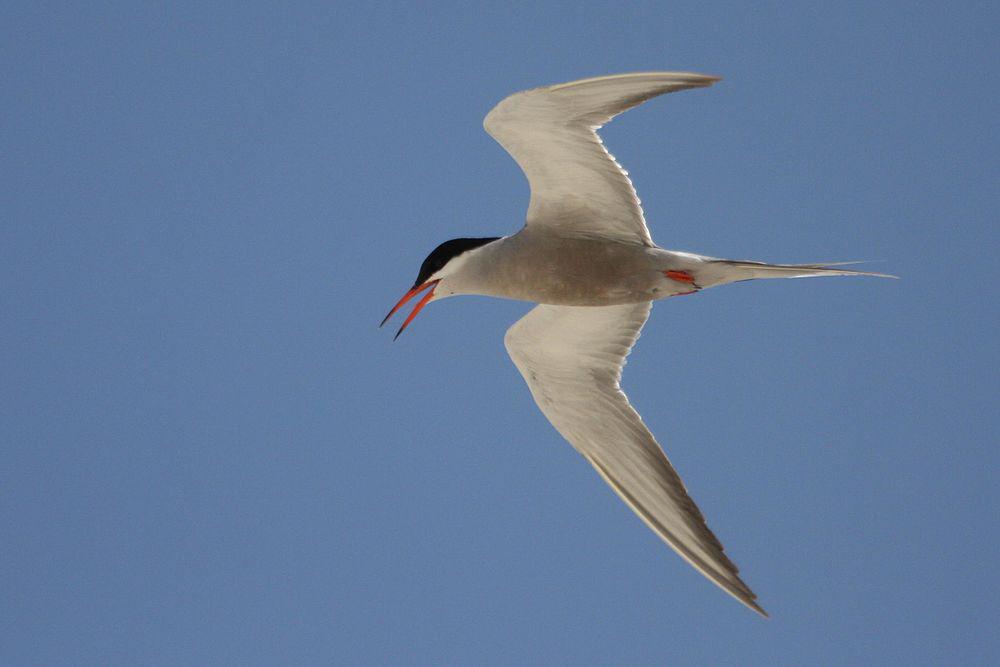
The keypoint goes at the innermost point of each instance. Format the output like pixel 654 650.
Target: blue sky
pixel 211 455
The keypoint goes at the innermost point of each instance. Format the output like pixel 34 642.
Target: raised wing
pixel 571 358
pixel 577 187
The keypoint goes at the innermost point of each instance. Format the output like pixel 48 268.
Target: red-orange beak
pixel 420 304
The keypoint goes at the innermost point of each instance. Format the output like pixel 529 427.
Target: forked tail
pixel 722 271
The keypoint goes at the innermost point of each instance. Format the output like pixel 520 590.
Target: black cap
pixel 444 253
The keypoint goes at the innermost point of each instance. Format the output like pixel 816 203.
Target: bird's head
pixel 444 261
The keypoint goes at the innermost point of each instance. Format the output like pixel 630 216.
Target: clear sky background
pixel 211 455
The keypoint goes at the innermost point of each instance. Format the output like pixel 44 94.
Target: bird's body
pixel 547 268
pixel 586 256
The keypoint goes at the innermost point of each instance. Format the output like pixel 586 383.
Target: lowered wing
pixel 571 358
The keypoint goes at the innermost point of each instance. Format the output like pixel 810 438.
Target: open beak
pixel 420 304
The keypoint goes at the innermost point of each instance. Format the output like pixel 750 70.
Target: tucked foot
pixel 680 276
pixel 683 277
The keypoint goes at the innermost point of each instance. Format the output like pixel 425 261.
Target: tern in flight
pixel 586 258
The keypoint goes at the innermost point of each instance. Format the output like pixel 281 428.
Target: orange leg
pixel 680 276
pixel 683 277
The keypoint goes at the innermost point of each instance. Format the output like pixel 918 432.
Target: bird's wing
pixel 572 357
pixel 577 187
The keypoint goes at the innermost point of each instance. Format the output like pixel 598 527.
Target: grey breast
pixel 560 270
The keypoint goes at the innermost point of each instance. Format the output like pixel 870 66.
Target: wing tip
pixel 729 581
pixel 741 593
pixel 751 603
pixel 685 79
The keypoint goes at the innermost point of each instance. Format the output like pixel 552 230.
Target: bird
pixel 586 258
